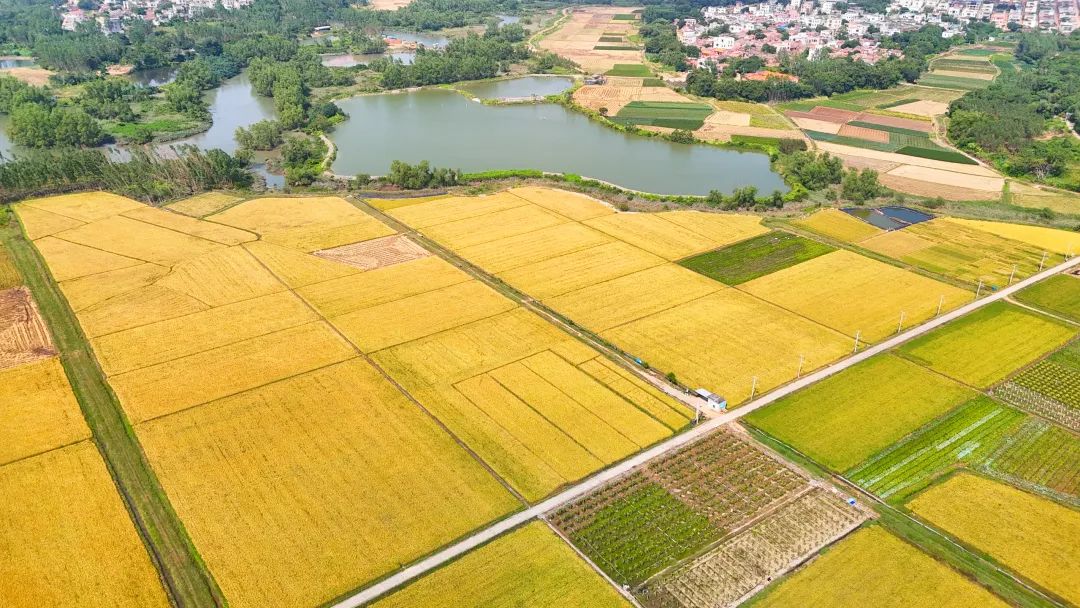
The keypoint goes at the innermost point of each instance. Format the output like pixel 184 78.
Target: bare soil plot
pixel 895 121
pixel 815 124
pixel 37 77
pixel 933 189
pixel 861 162
pixel 834 113
pixel 614 97
pixel 23 335
pixel 949 178
pixel 964 74
pixel 717 132
pixel 905 159
pixel 922 108
pixel 577 38
pixel 864 133
pixel 376 253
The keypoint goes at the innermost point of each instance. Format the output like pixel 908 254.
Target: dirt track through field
pixel 539 510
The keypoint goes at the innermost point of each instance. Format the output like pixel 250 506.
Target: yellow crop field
pixel 68 260
pixel 336 297
pixel 308 223
pixel 455 208
pixel 297 269
pixel 874 568
pixel 85 206
pixel 168 387
pixel 139 240
pixel 170 339
pixel 532 247
pixel 577 207
pixel 37 410
pixel 204 204
pixel 627 298
pixel 67 539
pixel 1049 239
pixel 413 317
pixel 721 228
pixel 527 567
pixel 838 225
pixel 849 293
pixel 565 273
pixel 316 238
pixel 386 204
pixel 226 235
pixel 299 491
pixel 654 234
pixel 9 274
pixel 1032 535
pixel 493 226
pixel 223 277
pixel 638 392
pixel 38 223
pixel 633 423
pixel 135 308
pixel 94 289
pixel 723 340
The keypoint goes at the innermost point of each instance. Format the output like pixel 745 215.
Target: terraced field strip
pixel 607 475
pixel 186 577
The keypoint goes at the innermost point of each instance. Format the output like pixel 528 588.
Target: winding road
pixel 463 546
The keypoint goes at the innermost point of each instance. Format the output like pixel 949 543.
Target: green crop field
pixel 652 82
pixel 936 153
pixel 1045 455
pixel 960 65
pixel 755 257
pixel 890 129
pixel 911 143
pixel 632 70
pixel 987 345
pixel 607 47
pixel 612 39
pixel 845 419
pixel 673 114
pixel 953 82
pixel 854 142
pixel 625 17
pixel 966 435
pixel 1059 294
pixel 892 104
pixel 977 52
pixel 1057 376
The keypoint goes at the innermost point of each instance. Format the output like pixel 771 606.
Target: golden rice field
pixel 533 247
pixel 307 224
pixel 1049 239
pixel 9 274
pixel 37 410
pixel 572 271
pixel 530 566
pixel 1031 535
pixel 874 568
pixel 303 489
pixel 493 226
pixel 204 204
pixel 678 234
pixel 572 205
pixel 67 539
pixel 838 225
pixel 852 293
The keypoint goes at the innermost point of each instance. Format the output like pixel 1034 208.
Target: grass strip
pixel 633 70
pixel 755 257
pixel 187 579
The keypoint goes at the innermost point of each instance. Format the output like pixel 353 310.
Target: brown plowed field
pixel 864 133
pixel 23 335
pixel 816 116
pixel 893 121
pixel 376 253
pixel 836 113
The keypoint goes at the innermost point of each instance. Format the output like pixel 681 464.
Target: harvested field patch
pixel 755 257
pixel 577 36
pixel 565 273
pixel 735 119
pixel 608 304
pixel 38 412
pixel 376 253
pixel 84 206
pixel 664 511
pixel 578 207
pixel 950 178
pixel 222 277
pixel 614 95
pixel 874 568
pixel 38 223
pixel 1060 294
pixel 67 539
pixel 759 340
pixel 814 124
pixel 269 483
pixel 923 108
pixel 849 130
pixel 225 235
pixel 529 566
pixel 138 240
pixel 204 204
pixel 38 77
pixel 859 162
pixel 757 555
pixel 845 419
pixel 1049 239
pixel 23 335
pixel 985 346
pixel 838 225
pixel 1028 534
pixel 336 297
pixel 295 268
pixel 855 294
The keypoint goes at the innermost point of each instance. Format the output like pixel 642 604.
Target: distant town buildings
pixel 112 16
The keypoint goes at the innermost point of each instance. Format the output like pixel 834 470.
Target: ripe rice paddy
pixel 983 347
pixel 755 257
pixel 1033 536
pixel 844 419
pixel 838 225
pixel 1045 239
pixel 37 411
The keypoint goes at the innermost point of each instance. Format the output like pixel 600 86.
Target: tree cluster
pixel 420 176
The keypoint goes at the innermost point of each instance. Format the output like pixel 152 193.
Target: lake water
pixel 7 63
pixel 519 87
pixel 449 130
pixel 350 59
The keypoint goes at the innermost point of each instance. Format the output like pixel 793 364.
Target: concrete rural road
pixel 463 546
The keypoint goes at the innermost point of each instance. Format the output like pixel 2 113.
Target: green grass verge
pixel 755 257
pixel 614 48
pixel 936 154
pixel 186 577
pixel 633 70
pixel 1060 294
pixel 652 82
pixel 977 52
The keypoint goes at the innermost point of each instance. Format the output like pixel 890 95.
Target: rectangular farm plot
pixel 855 414
pixel 493 226
pixel 222 277
pixel 874 568
pixel 676 235
pixel 572 271
pixel 69 260
pixel 38 223
pixel 95 289
pixel 135 308
pixel 1031 535
pixel 302 490
pixel 838 225
pixel 671 114
pixel 577 207
pixel 23 335
pixel 532 247
pixel 204 204
pixel 1045 455
pixel 643 395
pixel 445 210
pixel 84 206
pixel 307 224
pixel 67 539
pixel 139 240
pixel 1059 294
pixel 226 235
pixel 38 412
pixel 529 566
pixel 985 346
pixel 855 294
pixel 723 340
pixel 295 268
pixel 1040 237
pixel 755 257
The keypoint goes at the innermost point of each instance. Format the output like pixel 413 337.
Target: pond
pixel 348 60
pixel 507 19
pixel 428 39
pixel 448 130
pixel 6 63
pixel 519 87
pixel 232 105
pixel 154 77
pixel 889 218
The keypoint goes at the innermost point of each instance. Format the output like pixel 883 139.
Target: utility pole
pixel 1012 275
pixel 1043 261
pixel 857 334
pixel 802 359
pixel 900 325
pixel 979 290
pixel 940 303
pixel 753 388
